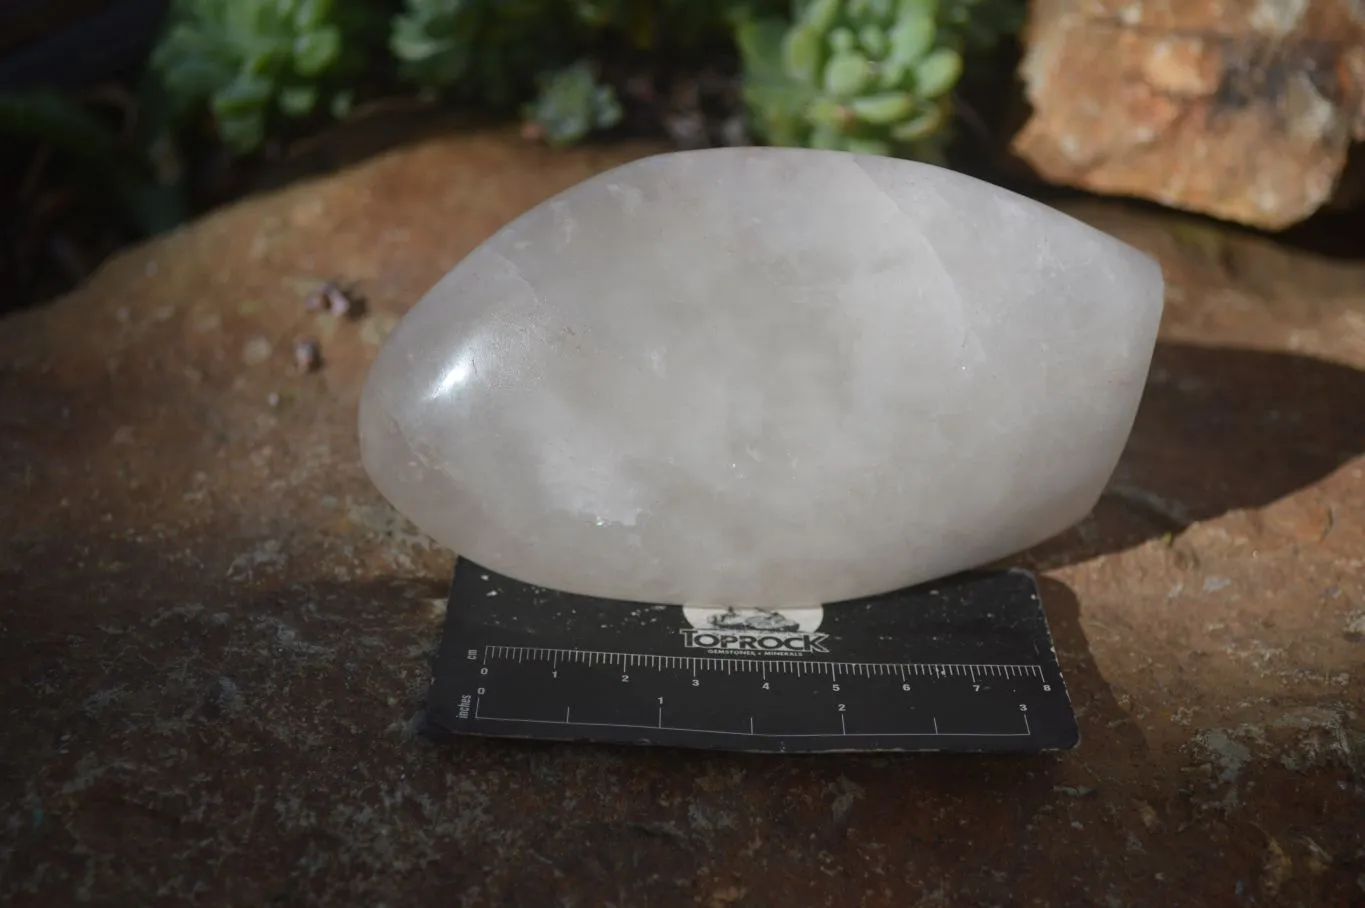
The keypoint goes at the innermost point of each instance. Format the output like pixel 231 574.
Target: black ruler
pixel 966 664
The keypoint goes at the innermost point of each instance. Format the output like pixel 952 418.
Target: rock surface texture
pixel 1242 109
pixel 763 377
pixel 214 633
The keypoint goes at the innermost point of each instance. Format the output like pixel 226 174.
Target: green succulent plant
pixel 497 53
pixel 250 61
pixel 485 52
pixel 867 76
pixel 572 104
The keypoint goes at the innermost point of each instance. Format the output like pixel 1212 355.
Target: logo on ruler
pixel 774 632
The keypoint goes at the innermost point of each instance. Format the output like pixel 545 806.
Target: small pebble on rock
pixel 331 299
pixel 307 355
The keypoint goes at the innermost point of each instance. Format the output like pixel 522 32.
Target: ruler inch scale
pixel 964 665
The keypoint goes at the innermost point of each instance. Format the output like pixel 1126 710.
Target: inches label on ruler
pixel 964 665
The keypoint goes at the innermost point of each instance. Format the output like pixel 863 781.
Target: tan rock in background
pixel 1242 109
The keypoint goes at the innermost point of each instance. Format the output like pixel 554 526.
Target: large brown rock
pixel 1242 109
pixel 214 634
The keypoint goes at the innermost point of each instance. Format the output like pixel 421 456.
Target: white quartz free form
pixel 763 377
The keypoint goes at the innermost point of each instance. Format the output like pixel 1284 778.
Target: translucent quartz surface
pixel 763 377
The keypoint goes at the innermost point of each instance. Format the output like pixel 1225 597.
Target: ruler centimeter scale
pixel 731 663
pixel 522 661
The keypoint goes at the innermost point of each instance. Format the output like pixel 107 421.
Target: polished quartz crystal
pixel 763 377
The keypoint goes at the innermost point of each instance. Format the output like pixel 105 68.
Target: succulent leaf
pixel 298 100
pixel 315 51
pixel 821 14
pixel 245 93
pixel 847 74
pixel 873 39
pixel 938 72
pixel 867 146
pixel 801 49
pixel 829 113
pixel 912 37
pixel 843 41
pixel 341 104
pixel 881 10
pixel 921 126
pixel 310 14
pixel 891 74
pixel 885 109
pixel 826 138
pixel 242 132
pixel 927 8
